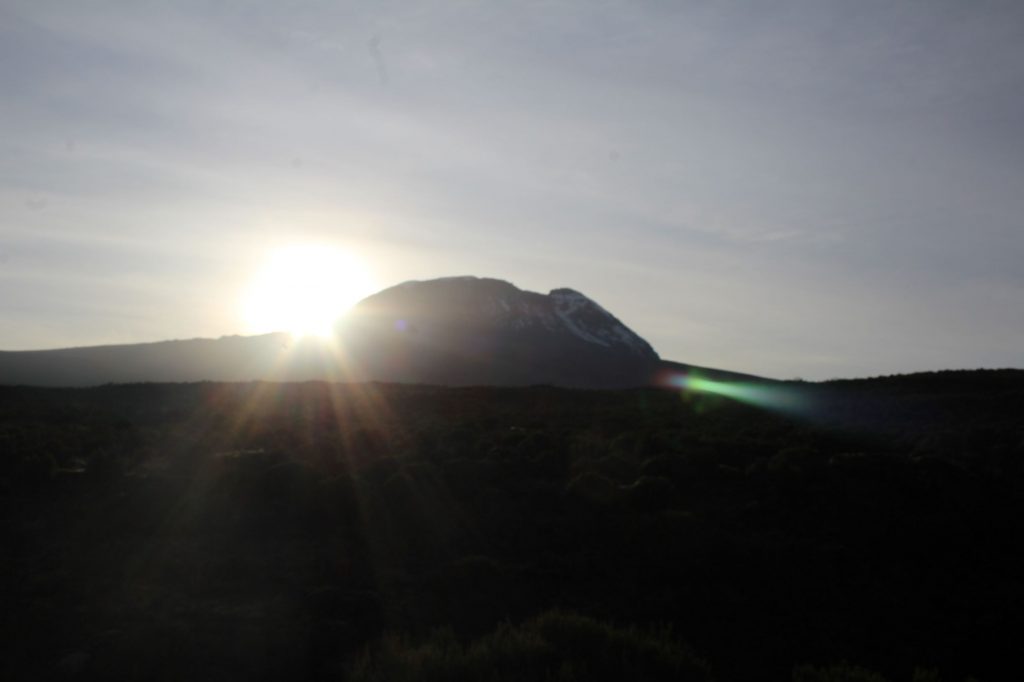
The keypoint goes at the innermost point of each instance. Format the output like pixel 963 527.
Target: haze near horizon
pixel 817 189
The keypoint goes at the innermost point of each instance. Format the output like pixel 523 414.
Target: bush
pixel 554 646
pixel 594 488
pixel 651 493
pixel 842 672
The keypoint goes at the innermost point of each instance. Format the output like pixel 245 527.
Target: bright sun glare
pixel 304 289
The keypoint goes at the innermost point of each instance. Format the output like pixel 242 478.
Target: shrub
pixel 651 493
pixel 616 468
pixel 593 488
pixel 555 646
pixel 842 672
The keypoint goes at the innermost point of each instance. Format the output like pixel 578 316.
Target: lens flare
pixel 778 398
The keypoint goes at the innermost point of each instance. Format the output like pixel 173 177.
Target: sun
pixel 303 289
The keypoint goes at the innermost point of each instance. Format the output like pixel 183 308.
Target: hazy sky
pixel 812 189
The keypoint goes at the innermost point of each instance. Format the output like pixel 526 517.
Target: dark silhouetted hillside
pixel 459 331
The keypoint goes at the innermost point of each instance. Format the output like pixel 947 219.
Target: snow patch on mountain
pixel 567 304
pixel 590 322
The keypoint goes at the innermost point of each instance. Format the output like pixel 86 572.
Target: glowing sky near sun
pixel 814 189
pixel 304 289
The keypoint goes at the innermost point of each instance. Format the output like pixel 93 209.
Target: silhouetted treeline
pixel 315 531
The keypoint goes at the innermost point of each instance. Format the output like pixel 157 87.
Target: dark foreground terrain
pixel 315 531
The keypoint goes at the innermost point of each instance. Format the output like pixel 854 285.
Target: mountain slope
pixel 229 358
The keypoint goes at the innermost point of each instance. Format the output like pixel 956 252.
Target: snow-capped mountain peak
pixel 483 307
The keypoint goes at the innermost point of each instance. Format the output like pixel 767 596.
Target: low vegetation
pixel 310 531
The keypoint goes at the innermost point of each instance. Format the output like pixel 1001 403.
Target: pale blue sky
pixel 811 189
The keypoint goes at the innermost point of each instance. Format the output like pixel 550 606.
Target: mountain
pixel 468 330
pixel 452 331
